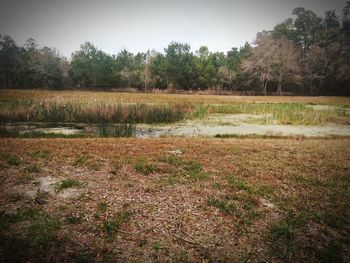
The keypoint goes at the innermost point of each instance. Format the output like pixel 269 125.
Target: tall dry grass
pixel 91 112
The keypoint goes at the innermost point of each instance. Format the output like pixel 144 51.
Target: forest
pixel 303 55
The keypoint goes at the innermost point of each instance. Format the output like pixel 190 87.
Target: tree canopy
pixel 305 54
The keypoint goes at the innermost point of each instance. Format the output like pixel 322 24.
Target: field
pixel 233 198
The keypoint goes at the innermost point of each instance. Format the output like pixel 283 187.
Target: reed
pixel 121 130
pixel 284 113
pixel 91 112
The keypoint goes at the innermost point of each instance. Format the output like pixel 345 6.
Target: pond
pixel 213 125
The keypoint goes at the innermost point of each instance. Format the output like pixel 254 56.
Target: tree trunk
pixel 311 88
pixel 320 84
pixel 265 87
pixel 279 90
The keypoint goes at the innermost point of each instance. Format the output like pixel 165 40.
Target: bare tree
pixel 145 73
pixel 272 60
pixel 286 59
pixel 126 74
pixel 226 75
pixel 146 76
pixel 259 64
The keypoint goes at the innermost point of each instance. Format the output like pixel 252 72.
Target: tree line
pixel 306 54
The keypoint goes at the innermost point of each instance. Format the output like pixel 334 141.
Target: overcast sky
pixel 138 25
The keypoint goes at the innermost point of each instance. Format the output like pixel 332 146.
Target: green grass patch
pixel 283 113
pixel 111 226
pixel 81 159
pixel 43 154
pixel 182 171
pixel 74 219
pixel 68 183
pixel 239 184
pixel 102 207
pixel 225 205
pixel 143 166
pixel 19 216
pixel 33 168
pixel 193 170
pixel 200 111
pixel 240 205
pixel 216 186
pixel 283 237
pixel 43 232
pixel 172 160
pixel 121 130
pixel 13 160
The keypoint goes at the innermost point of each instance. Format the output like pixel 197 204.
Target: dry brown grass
pixel 163 98
pixel 204 200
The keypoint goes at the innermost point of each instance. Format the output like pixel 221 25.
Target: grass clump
pixel 144 167
pixel 184 170
pixel 111 226
pixel 163 113
pixel 33 168
pixel 226 205
pixel 200 111
pixel 13 159
pixel 242 206
pixel 43 232
pixel 95 165
pixel 172 160
pixel 332 252
pixel 18 216
pixel 81 159
pixel 38 239
pixel 68 183
pixel 283 237
pixel 194 170
pixel 216 186
pixel 102 207
pixel 157 246
pixel 287 242
pixel 73 219
pixel 239 184
pixel 43 154
pixel 122 130
pixel 117 164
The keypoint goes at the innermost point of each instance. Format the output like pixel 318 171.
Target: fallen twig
pixel 189 241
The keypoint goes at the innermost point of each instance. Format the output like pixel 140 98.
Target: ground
pixel 175 200
pixel 163 98
pixel 213 178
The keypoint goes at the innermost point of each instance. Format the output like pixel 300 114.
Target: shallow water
pixel 239 124
pixel 61 130
pixel 246 129
pixel 216 124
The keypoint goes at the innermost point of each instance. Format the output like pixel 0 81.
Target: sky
pixel 138 25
